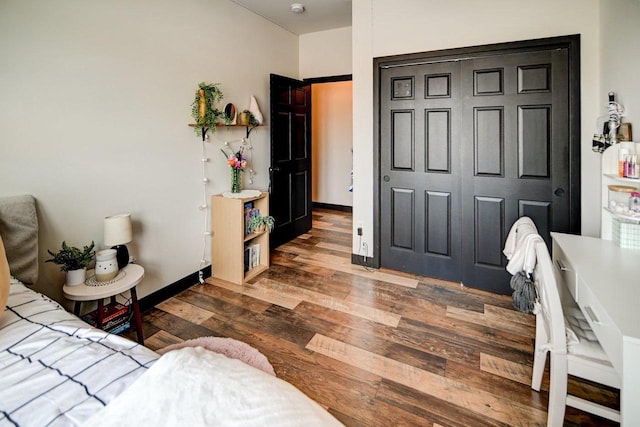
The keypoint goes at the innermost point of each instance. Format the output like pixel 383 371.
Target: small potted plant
pixel 73 261
pixel 246 118
pixel 260 223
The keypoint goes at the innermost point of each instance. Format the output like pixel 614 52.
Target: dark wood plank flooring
pixel 376 348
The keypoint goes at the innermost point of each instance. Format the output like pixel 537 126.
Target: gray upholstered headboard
pixel 19 231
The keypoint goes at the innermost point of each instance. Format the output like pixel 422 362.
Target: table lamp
pixel 117 233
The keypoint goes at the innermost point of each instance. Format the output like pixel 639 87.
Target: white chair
pixel 573 347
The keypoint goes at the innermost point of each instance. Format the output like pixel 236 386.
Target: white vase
pixel 76 277
pixel 106 265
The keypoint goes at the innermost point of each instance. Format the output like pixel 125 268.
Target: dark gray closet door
pixel 515 134
pixel 420 169
pixel 466 147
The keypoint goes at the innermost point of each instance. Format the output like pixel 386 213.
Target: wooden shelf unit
pixel 229 239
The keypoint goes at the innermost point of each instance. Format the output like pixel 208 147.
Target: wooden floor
pixel 376 348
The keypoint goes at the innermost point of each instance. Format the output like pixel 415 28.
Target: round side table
pixel 126 280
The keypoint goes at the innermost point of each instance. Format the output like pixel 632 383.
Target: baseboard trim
pixel 172 290
pixel 369 262
pixel 333 207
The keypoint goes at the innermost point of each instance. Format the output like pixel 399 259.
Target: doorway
pixel 469 140
pixel 292 157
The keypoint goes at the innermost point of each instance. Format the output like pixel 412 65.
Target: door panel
pixel 290 171
pixel 513 120
pixel 466 147
pixel 420 189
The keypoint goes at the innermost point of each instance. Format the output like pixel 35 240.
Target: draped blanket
pixel 196 387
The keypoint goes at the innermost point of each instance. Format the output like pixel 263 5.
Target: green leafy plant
pixel 71 258
pixel 261 222
pixel 204 110
pixel 249 120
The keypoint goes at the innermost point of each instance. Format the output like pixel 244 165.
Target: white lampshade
pixel 117 230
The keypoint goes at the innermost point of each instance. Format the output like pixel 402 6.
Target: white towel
pixel 519 230
pixel 519 247
pixel 524 258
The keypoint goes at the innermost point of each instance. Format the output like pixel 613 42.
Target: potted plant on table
pixel 260 223
pixel 73 261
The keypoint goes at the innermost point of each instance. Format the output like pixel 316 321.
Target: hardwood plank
pixel 486 404
pixel 430 408
pixel 335 247
pixel 510 315
pixel 491 321
pixel 336 304
pixel 260 292
pixel 506 368
pixel 185 310
pixel 358 270
pixel 160 340
pixel 308 280
pixel 498 385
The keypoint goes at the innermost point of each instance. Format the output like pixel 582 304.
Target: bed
pixel 56 370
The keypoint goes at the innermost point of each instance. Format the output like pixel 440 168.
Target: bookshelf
pixel 230 240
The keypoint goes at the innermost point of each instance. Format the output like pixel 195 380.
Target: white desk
pixel 604 280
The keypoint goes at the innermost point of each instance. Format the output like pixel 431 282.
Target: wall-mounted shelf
pixel 222 125
pixel 610 176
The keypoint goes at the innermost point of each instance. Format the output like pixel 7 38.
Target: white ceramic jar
pixel 106 265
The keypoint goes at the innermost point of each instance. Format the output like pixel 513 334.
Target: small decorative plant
pixel 203 109
pixel 260 223
pixel 71 258
pixel 246 118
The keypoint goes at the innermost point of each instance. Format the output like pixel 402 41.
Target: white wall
pixel 620 59
pixel 331 136
pixel 325 53
pixel 93 117
pixel 387 27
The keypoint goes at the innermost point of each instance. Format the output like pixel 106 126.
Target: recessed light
pixel 297 8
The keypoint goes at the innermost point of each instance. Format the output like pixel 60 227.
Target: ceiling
pixel 319 15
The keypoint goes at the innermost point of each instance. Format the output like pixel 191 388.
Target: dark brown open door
pixel 290 171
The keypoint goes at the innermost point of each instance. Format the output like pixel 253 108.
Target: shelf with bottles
pixel 611 175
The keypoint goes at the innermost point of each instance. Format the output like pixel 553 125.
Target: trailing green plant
pixel 204 110
pixel 251 119
pixel 258 222
pixel 71 258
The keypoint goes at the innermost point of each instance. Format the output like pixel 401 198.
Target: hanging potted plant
pixel 73 261
pixel 203 109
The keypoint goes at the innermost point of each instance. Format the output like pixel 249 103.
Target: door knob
pixel 386 178
pixel 559 192
pixel 274 169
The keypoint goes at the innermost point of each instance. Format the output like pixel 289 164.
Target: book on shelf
pixel 119 329
pixel 248 207
pixel 109 312
pixel 255 255
pixel 251 256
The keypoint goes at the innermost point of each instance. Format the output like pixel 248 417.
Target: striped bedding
pixel 55 370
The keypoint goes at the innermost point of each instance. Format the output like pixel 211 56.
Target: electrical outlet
pixel 359 231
